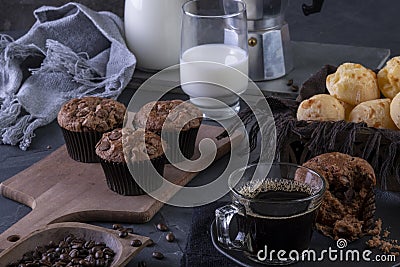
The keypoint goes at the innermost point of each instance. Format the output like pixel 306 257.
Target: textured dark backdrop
pixel 356 22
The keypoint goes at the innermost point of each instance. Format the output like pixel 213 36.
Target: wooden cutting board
pixel 59 189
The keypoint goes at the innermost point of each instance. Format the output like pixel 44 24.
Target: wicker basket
pixel 298 141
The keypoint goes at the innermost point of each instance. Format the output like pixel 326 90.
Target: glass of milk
pixel 214 55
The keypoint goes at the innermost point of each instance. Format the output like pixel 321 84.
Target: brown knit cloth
pixel 298 141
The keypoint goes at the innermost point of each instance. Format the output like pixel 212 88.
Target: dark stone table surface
pixel 366 23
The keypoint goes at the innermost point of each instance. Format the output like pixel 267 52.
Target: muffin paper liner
pixel 81 145
pixel 120 180
pixel 186 143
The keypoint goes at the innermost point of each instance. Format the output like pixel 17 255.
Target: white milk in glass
pixel 153 31
pixel 201 78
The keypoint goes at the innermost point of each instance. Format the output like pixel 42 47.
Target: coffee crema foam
pixel 253 188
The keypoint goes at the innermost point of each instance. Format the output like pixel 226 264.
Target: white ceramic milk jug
pixel 152 29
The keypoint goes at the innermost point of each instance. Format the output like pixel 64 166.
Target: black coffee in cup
pixel 274 218
pixel 272 213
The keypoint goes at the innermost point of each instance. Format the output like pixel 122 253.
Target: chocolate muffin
pixel 347 210
pixel 175 118
pixel 84 120
pixel 120 147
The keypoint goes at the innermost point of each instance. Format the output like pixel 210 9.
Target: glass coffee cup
pixel 272 213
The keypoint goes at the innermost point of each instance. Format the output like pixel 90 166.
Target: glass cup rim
pixel 315 195
pixel 222 16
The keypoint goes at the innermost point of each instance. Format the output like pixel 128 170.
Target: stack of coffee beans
pixel 71 251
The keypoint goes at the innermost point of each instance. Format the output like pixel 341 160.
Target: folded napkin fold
pixel 71 51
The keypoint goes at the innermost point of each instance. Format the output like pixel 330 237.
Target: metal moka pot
pixel 270 54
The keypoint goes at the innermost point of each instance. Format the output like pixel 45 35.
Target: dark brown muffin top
pixel 115 144
pixel 347 210
pixel 91 114
pixel 172 114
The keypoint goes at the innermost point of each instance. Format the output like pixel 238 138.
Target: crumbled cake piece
pixel 386 233
pixel 377 228
pixel 347 210
pixel 374 242
pixel 381 241
pixel 348 225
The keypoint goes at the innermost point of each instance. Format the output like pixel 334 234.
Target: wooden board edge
pixel 17 196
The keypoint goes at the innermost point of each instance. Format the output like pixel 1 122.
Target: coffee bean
pixel 170 237
pixel 77 246
pixel 123 234
pixel 96 248
pixel 136 243
pixel 158 255
pixel 46 257
pixel 162 227
pixel 74 253
pixel 65 257
pixel 99 254
pixel 69 238
pixel 142 264
pixel 108 251
pixel 117 226
pixel 89 244
pixel 294 88
pixel 289 82
pixel 151 243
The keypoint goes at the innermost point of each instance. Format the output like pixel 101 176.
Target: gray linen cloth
pixel 80 52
